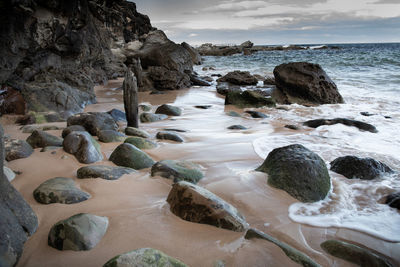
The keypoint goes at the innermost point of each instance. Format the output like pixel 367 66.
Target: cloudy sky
pixel 275 21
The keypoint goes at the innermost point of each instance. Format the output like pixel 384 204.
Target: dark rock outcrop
pixel 17 149
pixel 93 122
pixel 362 168
pixel 177 171
pixel 196 58
pixel 128 155
pixel 393 200
pixel 214 50
pixel 248 98
pixel 306 83
pixel 42 139
pixel 239 78
pixel 298 171
pixel 104 172
pixel 83 147
pixel 363 126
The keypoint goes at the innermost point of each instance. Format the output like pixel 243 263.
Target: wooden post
pixel 131 99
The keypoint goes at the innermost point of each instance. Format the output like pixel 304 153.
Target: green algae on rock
pixel 177 170
pixel 128 155
pixel 140 142
pixel 104 172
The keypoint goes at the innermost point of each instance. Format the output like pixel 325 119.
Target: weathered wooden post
pixel 131 99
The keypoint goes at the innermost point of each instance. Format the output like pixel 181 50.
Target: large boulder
pixel 17 149
pixel 42 139
pixel 93 122
pixel 72 128
pixel 239 78
pixel 196 58
pixel 306 83
pixel 17 220
pixel 298 171
pixel 144 257
pixel 196 204
pixel 177 170
pixel 363 126
pixel 128 155
pixel 362 168
pixel 83 147
pixel 248 98
pixel 82 231
pixel 104 172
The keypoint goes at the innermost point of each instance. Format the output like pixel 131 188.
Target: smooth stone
pixel 140 142
pixel 359 124
pixel 29 128
pixel 177 170
pixel 104 172
pixel 43 139
pixel 256 114
pixel 393 200
pixel 292 127
pixel 59 190
pixel 110 136
pixel 174 130
pixel 72 128
pixel 93 121
pixel 237 127
pixel 169 110
pixel 128 155
pixel 82 231
pixel 145 108
pixel 233 114
pixel 203 106
pixel 83 146
pixel 164 135
pixel 132 131
pixel 150 117
pixel 17 149
pixel 118 115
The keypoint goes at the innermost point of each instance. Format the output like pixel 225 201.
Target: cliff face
pixel 53 52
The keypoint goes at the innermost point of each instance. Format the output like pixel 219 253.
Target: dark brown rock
pixel 93 122
pixel 363 126
pixel 239 78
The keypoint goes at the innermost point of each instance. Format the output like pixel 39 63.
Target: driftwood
pixel 131 99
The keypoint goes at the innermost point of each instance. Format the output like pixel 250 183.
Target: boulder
pixel 195 80
pixel 109 136
pixel 17 149
pixel 165 135
pixel 224 88
pixel 355 254
pixel 83 147
pixel 393 200
pixel 239 78
pixel 196 204
pixel 43 139
pixel 144 257
pixel 233 114
pixel 93 121
pixel 298 171
pixel 196 58
pixel 145 107
pixel 59 190
pixel 141 143
pixel 132 131
pixel 213 50
pixel 169 110
pixel 247 44
pixel 72 128
pixel 150 117
pixel 117 115
pixel 362 168
pixel 306 84
pixel 177 170
pixel 128 155
pixel 256 114
pixel 82 231
pixel 104 172
pixel 348 122
pixel 237 127
pixel 248 98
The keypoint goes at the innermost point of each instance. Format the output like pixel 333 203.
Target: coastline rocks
pixel 43 139
pixel 196 204
pixel 110 136
pixel 393 200
pixel 177 170
pixel 144 257
pixel 306 84
pixel 355 254
pixel 256 114
pixel 59 190
pixel 362 168
pixel 298 171
pixel 83 147
pixel 199 81
pixel 239 78
pixel 72 128
pixel 248 99
pixel 82 231
pixel 93 122
pixel 224 88
pixel 165 135
pixel 169 110
pixel 104 172
pixel 140 142
pixel 213 50
pixel 128 155
pixel 196 58
pixel 150 117
pixel 132 131
pixel 348 122
pixel 17 149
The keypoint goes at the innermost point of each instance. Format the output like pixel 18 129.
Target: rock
pixel 196 58
pixel 174 130
pixel 196 204
pixel 59 190
pixel 359 124
pixel 367 114
pixel 51 128
pixel 212 50
pixel 239 78
pixel 136 132
pixel 362 168
pixel 355 254
pixel 177 170
pixel 198 81
pixel 237 127
pixel 169 110
pixel 130 87
pixel 109 136
pixel 256 114
pixel 93 121
pixel 145 108
pixel 82 231
pixel 29 128
pixel 72 128
pixel 49 148
pixel 269 80
pixel 248 99
pixel 150 117
pixel 43 139
pixel 306 83
pixel 292 127
pixel 17 149
pixel 298 171
pixel 393 200
pixel 128 155
pixel 224 88
pixel 104 172
pixel 233 114
pixel 294 254
pixel 203 106
pixel 17 220
pixel 141 143
pixel 117 115
pixel 83 147
pixel 8 174
pixel 247 44
pixel 164 135
pixel 144 257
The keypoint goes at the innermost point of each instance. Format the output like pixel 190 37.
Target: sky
pixel 275 21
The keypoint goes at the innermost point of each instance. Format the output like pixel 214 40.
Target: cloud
pixel 193 35
pixel 387 2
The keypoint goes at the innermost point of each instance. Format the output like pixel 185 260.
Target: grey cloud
pixel 387 2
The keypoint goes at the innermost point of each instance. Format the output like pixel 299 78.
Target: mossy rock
pixel 104 172
pixel 83 146
pixel 132 131
pixel 248 99
pixel 43 139
pixel 140 142
pixel 150 117
pixel 177 170
pixel 165 135
pixel 128 155
pixel 110 136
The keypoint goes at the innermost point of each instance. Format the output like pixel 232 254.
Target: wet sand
pixel 136 203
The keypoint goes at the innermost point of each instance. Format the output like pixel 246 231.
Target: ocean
pixel 368 77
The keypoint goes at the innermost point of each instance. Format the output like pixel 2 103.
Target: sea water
pixel 368 77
